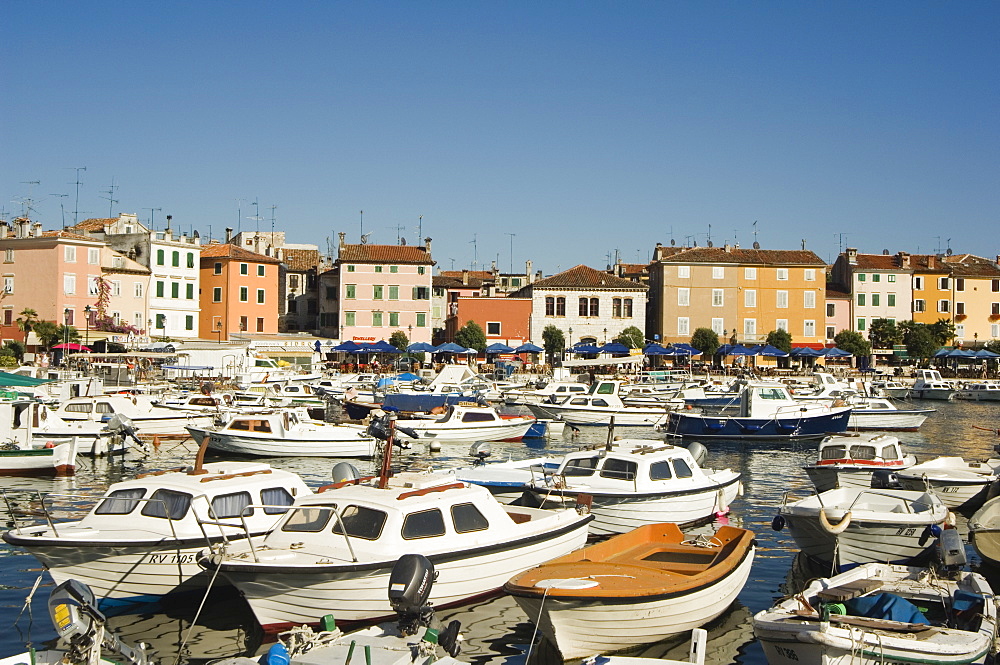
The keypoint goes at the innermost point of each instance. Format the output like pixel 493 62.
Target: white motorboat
pixel 508 480
pixel 979 391
pixel 960 484
pixel 141 539
pixel 333 552
pixel 600 406
pixel 984 531
pixel 635 588
pixel 881 413
pixel 147 417
pixel 879 613
pixel 634 482
pixel 285 433
pixel 851 460
pixel 848 526
pixel 38 460
pixel 892 388
pixel 467 422
pixel 534 395
pixel 930 385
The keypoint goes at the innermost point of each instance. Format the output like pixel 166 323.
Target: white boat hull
pixel 952 494
pixel 429 432
pixel 58 461
pixel 863 541
pixel 885 420
pixel 627 416
pixel 351 446
pixel 585 628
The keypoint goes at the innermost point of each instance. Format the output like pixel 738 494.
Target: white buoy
pixel 435 446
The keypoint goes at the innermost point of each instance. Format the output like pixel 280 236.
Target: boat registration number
pixel 785 652
pixel 172 558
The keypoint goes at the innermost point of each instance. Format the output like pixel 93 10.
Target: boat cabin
pixel 634 464
pixel 874 450
pixel 931 378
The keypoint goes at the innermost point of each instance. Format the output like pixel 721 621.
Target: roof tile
pixel 384 254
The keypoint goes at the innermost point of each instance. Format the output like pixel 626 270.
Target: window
pixel 308 520
pixel 93 256
pixel 681 469
pixel 781 324
pixel 189 322
pixel 293 306
pixel 69 254
pixel 995 309
pixel 595 307
pixel 890 278
pixel 584 306
pixel 718 272
pixel 350 318
pixel 809 328
pixel 627 308
pixel 394 319
pixel 217 294
pixel 350 291
pixel 350 268
pixel 393 293
pixel 244 294
pixel 861 277
pixel 616 308
pixel 377 319
pixel 231 505
pixel 550 306
pixel 244 269
pixel 167 504
pixel 875 300
pixel 92 288
pixel 943 306
pixel 120 502
pixel 861 300
pixel 749 273
pixel 861 325
pixel 959 330
pixel 421 270
pixel 175 259
pixel 9 256
pixel 995 285
pixel 244 323
pixel 466 518
pixel 331 293
pixel 8 285
pixel 959 309
pixel 683 297
pixel 260 269
pixel 360 522
pixel 683 272
pixel 750 328
pixel 493 328
pixel 919 306
pixel 683 326
pixel 116 287
pixel 161 322
pixel 421 319
pixel 831 332
pixel 580 466
pixel 660 471
pixel 783 274
pixel 561 306
pixel 423 524
pixel 393 268
pixel 942 283
pixel 190 259
pixel 890 299
pixel 619 468
pixel 781 299
pixel 160 288
pixel 750 298
pixel 260 324
pixel 717 297
pixel 718 326
pixel 378 268
pixel 831 309
pixel 260 296
pixel 918 283
pixel 808 299
pixel 8 316
pixel 218 268
pixel 273 498
pixel 960 284
pixel 876 277
pixel 995 330
pixel 421 293
pixel 810 274
pixel 175 290
pixel 189 291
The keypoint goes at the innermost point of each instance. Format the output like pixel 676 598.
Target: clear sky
pixel 580 127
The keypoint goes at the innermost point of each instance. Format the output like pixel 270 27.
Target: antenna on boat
pixel 611 435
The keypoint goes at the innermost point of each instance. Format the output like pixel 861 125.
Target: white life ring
pixel 840 527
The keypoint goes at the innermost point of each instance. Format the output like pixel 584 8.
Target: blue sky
pixel 580 127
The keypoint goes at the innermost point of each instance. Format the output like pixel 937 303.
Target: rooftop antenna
pixel 362 223
pixel 475 251
pixel 709 235
pixel 256 214
pixel 938 250
pixel 151 211
pixel 399 236
pixel 840 246
pixel 76 207
pixel 755 233
pixel 452 263
pixel 687 241
pixel 26 207
pixel 511 252
pixel 111 197
pixel 273 208
pixel 62 208
pixel 420 228
pixel 948 246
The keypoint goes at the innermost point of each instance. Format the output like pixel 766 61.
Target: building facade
pixel 240 292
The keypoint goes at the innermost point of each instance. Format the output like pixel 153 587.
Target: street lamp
pixel 218 329
pixel 605 335
pixel 86 313
pixel 66 313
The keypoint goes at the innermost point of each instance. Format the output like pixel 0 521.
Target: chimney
pixel 427 246
pixel 852 255
pixel 493 266
pixel 4 229
pixel 169 219
pixel 527 270
pixel 728 248
pixel 931 261
pixel 36 230
pixel 465 276
pixel 229 234
pixel 904 259
pixel 343 238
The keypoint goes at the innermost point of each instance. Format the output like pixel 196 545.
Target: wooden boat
pixel 636 588
pixel 958 483
pixel 139 542
pixel 632 482
pixel 849 526
pixel 38 460
pixel 941 618
pixel 766 410
pixel 851 460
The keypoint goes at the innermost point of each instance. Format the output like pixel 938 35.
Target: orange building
pixel 505 320
pixel 239 291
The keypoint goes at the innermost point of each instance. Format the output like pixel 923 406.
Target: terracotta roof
pixel 970 265
pixel 230 251
pixel 741 256
pixel 94 224
pixel 836 291
pixel 477 274
pixel 450 282
pixel 585 277
pixel 384 254
pixel 927 263
pixel 68 235
pixel 301 260
pixel 880 262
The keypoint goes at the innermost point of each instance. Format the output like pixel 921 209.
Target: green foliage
pixel 852 341
pixel 943 331
pixel 920 341
pixel 46 332
pixel 27 320
pixel 471 336
pixel 780 339
pixel 13 347
pixel 993 345
pixel 705 340
pixel 632 337
pixel 8 361
pixel 553 341
pixel 883 333
pixel 399 340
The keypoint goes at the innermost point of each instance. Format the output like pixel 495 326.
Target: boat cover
pixel 886 606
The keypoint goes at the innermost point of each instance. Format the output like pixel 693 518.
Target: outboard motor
pixel 345 471
pixel 698 452
pixel 122 426
pixel 379 426
pixel 883 479
pixel 78 622
pixel 409 588
pixel 951 550
pixel 480 450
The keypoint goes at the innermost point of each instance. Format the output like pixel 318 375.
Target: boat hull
pixel 507 431
pixel 58 461
pixel 582 627
pixel 353 448
pixel 952 493
pixel 627 416
pixel 698 426
pixel 896 421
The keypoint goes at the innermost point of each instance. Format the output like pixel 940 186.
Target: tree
pixel 553 341
pixel 46 332
pixel 26 321
pixel 920 341
pixel 705 340
pixel 852 341
pixel 883 334
pixel 943 331
pixel 780 339
pixel 13 347
pixel 471 336
pixel 399 340
pixel 993 345
pixel 632 337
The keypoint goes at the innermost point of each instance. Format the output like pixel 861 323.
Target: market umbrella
pixel 72 346
pixel 350 346
pixel 837 353
pixel 449 347
pixel 733 350
pixel 685 349
pixel 528 347
pixel 616 348
pixel 499 347
pixel 771 351
pixel 421 346
pixel 986 353
pixel 383 346
pixel 806 352
pixel 584 349
pixel 655 349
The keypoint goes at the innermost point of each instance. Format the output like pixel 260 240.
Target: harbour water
pixel 496 631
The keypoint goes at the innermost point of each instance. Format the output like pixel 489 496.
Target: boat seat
pixel 848 590
pixel 519 518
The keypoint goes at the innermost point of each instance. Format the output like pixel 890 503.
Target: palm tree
pixel 26 322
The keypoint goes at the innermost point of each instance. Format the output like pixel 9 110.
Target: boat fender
pixel 930 531
pixel 840 527
pixel 778 523
pixel 277 655
pixel 950 521
pixel 720 503
pixel 740 490
pixel 49 444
